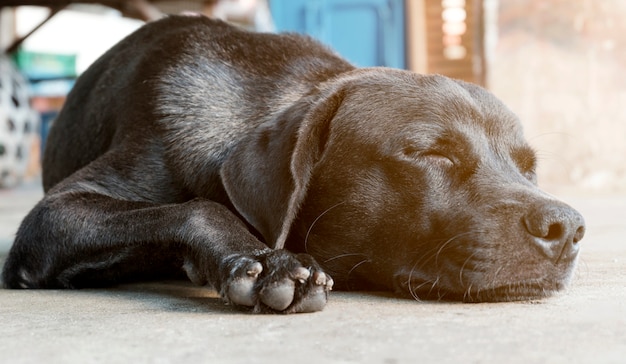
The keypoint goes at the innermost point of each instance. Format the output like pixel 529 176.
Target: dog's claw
pixel 254 270
pixel 276 281
pixel 330 283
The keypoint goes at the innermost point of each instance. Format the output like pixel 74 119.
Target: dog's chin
pixel 429 290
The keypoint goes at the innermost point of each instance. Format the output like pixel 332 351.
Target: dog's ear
pixel 267 174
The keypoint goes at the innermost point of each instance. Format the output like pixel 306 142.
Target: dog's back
pixel 197 79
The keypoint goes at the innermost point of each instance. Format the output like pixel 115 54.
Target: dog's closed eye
pixel 437 157
pixel 431 156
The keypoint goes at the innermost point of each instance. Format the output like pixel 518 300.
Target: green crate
pixel 35 65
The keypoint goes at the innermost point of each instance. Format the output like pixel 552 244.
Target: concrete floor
pixel 175 323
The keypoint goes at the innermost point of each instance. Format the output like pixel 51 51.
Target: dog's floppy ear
pixel 267 174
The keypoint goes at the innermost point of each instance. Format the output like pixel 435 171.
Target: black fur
pixel 193 147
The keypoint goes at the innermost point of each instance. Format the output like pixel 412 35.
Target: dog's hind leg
pixel 76 239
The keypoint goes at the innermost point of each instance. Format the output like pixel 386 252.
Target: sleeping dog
pixel 262 165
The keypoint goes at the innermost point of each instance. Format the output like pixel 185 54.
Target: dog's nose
pixel 556 230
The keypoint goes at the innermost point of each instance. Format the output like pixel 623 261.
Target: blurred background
pixel 559 64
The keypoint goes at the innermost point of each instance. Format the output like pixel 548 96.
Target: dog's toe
pixel 241 289
pixel 301 274
pixel 317 294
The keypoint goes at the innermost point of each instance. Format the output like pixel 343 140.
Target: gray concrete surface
pixel 176 323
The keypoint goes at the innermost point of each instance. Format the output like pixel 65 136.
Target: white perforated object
pixel 19 124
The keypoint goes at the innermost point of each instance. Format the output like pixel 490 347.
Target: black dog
pixel 244 160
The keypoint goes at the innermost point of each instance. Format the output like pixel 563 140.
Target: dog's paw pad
pixel 279 295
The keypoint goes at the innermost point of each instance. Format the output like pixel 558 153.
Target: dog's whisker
pixel 410 280
pixel 306 238
pixel 357 265
pixel 434 284
pixel 463 267
pixel 413 290
pixel 413 294
pixel 437 249
pixel 468 293
pixel 551 133
pixel 343 256
pixel 424 260
pixel 450 240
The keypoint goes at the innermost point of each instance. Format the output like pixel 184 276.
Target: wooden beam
pixel 417 53
pixel 16 44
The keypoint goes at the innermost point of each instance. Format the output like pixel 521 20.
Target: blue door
pixel 366 32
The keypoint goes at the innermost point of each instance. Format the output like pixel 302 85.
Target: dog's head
pixel 417 183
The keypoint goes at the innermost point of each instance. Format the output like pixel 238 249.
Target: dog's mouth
pixel 429 290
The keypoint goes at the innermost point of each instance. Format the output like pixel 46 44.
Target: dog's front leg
pixel 73 240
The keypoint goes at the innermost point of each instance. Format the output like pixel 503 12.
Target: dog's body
pixel 196 147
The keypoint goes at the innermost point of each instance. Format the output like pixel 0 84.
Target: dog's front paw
pixel 275 281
